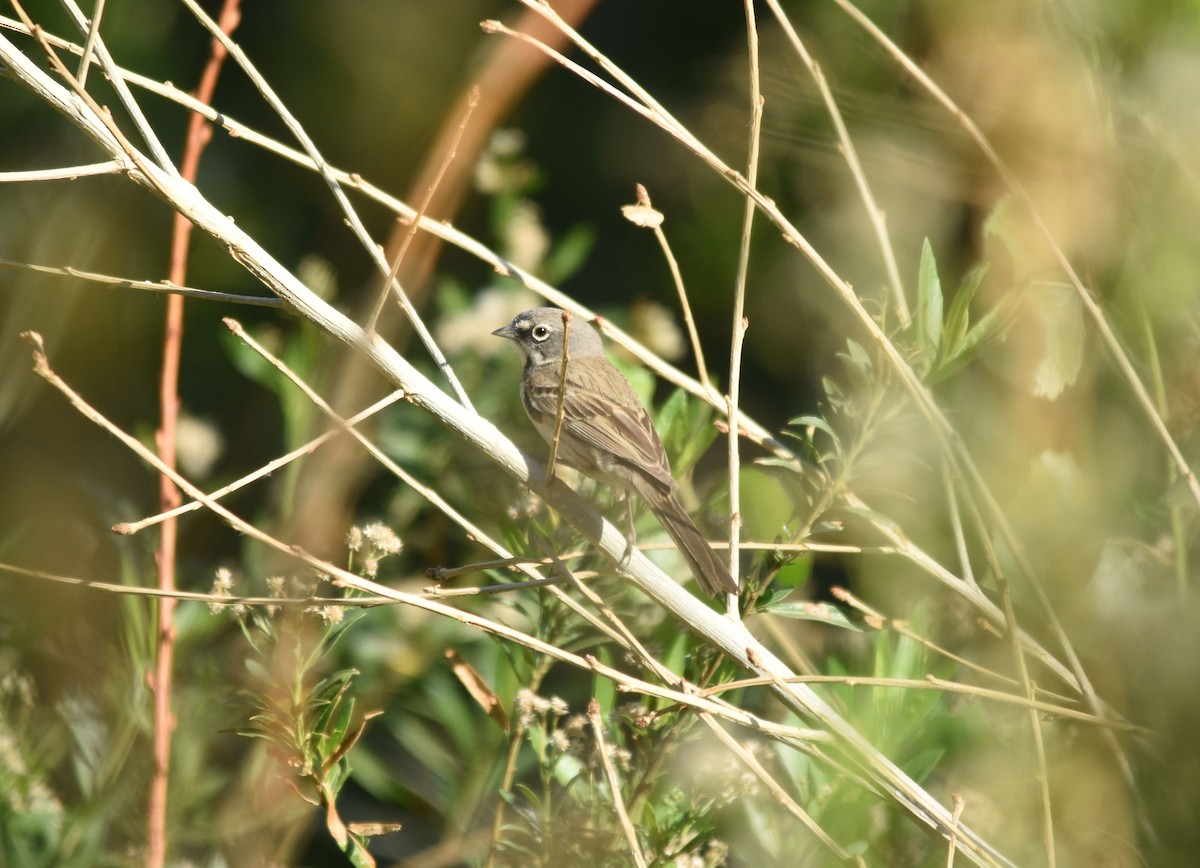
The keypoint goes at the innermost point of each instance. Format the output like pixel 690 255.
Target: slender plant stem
pixel 63 173
pixel 562 395
pixel 850 153
pixel 740 323
pixel 614 785
pixel 164 286
pixel 393 281
pixel 198 135
pixel 92 32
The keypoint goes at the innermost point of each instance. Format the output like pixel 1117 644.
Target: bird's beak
pixel 507 332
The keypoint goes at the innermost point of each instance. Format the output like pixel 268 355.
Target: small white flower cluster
pixel 375 541
pixel 278 587
pixel 525 506
pixel 223 587
pixel 532 708
pixel 501 168
pixel 570 736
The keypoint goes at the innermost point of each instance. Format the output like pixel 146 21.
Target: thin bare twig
pixel 614 785
pixel 64 173
pixel 562 395
pixel 199 596
pixel 643 214
pixel 165 286
pixel 393 281
pixel 850 153
pixel 941 685
pixel 740 323
pixel 161 157
pixel 92 32
pixel 959 804
pixel 132 527
pixel 198 135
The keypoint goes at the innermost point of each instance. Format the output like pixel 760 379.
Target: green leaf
pixel 958 317
pixel 604 691
pixel 990 328
pixel 685 425
pixel 796 573
pixel 921 765
pixel 929 302
pixel 819 424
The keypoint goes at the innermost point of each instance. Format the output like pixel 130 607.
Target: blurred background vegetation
pixel 1091 104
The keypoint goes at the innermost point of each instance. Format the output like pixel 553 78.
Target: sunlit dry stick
pixel 414 224
pixel 164 286
pixel 92 32
pixel 614 785
pixel 161 157
pixel 1042 775
pixel 64 173
pixel 610 625
pixel 267 469
pixel 879 621
pixel 846 145
pixel 931 682
pixel 200 596
pixel 562 394
pixel 690 699
pixel 740 323
pixel 436 592
pixel 959 804
pixel 956 528
pixel 351 602
pixel 643 214
pixel 618 630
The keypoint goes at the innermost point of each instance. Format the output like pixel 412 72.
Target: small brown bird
pixel 606 433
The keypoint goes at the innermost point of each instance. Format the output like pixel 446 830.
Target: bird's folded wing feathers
pixel 616 424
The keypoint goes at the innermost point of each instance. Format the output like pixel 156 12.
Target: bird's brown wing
pixel 602 410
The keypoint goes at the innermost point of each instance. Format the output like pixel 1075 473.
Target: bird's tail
pixel 707 566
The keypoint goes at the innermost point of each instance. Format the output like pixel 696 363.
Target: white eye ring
pixel 540 333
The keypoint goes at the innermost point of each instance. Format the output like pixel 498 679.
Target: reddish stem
pixel 199 134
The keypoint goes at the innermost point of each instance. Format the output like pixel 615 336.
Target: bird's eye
pixel 540 333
